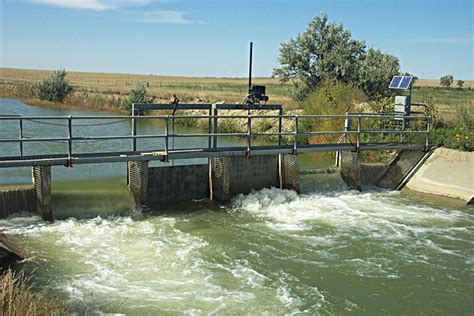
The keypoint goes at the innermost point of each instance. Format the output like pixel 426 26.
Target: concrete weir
pixel 34 198
pixel 222 178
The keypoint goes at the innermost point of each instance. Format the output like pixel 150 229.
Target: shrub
pixel 330 98
pixel 446 81
pixel 460 83
pixel 56 88
pixel 138 94
pixel 457 133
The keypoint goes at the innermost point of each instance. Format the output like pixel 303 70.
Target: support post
pixel 216 111
pixel 138 183
pixel 42 185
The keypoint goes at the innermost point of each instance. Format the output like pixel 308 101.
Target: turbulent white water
pixel 269 252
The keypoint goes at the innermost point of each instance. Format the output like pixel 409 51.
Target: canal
pixel 325 251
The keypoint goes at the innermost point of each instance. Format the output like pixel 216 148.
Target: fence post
pixel 427 139
pixel 166 137
pixel 69 119
pixel 215 125
pixel 134 130
pixel 280 113
pixel 249 135
pixel 21 137
pixel 209 130
pixel 295 142
pixel 359 122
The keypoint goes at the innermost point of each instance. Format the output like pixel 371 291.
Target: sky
pixel 203 38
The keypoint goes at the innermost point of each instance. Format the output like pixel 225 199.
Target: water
pixel 326 251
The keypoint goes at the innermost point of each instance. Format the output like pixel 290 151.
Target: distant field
pixel 162 87
pixel 100 90
pixel 435 83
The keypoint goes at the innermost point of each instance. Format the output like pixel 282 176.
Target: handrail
pixel 71 122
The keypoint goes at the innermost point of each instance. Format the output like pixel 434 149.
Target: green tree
pixel 138 94
pixel 460 83
pixel 55 88
pixel 324 51
pixel 376 72
pixel 446 81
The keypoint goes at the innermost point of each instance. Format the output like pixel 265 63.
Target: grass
pixel 18 297
pixel 103 90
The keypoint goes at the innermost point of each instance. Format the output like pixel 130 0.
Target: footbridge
pixel 250 149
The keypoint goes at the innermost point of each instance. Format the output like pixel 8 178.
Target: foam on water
pixel 270 251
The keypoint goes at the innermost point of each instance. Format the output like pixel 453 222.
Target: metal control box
pixel 402 104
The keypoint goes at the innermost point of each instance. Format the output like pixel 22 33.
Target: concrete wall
pixel 177 183
pixel 16 200
pixel 234 175
pixel 447 172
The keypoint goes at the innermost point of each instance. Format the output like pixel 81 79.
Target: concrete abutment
pixel 222 178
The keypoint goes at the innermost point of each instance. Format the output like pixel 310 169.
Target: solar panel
pixel 405 84
pixel 400 82
pixel 395 82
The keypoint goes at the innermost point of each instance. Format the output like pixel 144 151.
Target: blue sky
pixel 210 38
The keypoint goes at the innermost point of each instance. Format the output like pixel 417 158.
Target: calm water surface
pixel 326 251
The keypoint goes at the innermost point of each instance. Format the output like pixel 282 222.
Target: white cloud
pixel 167 16
pixel 96 5
pixel 77 4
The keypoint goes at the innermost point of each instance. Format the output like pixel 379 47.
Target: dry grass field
pixel 188 89
pixel 105 91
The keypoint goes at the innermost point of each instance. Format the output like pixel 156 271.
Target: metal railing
pixel 353 125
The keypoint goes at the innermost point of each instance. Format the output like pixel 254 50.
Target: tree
pixel 460 83
pixel 56 88
pixel 324 51
pixel 138 94
pixel 446 81
pixel 375 73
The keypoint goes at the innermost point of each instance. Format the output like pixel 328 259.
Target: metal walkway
pixel 356 128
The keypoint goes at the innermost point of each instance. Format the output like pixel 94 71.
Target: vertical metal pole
pixel 134 129
pixel 295 143
pixel 21 137
pixel 210 127
pixel 69 119
pixel 166 135
pixel 249 134
pixel 250 66
pixel 215 126
pixel 359 122
pixel 280 113
pixel 428 127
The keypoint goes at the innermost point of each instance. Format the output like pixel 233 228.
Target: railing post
pixel 215 125
pixel 359 122
pixel 21 137
pixel 295 141
pixel 166 137
pixel 249 135
pixel 210 127
pixel 280 113
pixel 428 127
pixel 134 130
pixel 69 120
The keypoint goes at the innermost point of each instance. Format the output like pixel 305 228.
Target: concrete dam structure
pixel 230 170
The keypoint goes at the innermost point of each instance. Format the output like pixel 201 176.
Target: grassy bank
pixel 18 297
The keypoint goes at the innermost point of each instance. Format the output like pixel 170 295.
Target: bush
pixel 56 88
pixel 138 94
pixel 330 98
pixel 457 133
pixel 446 81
